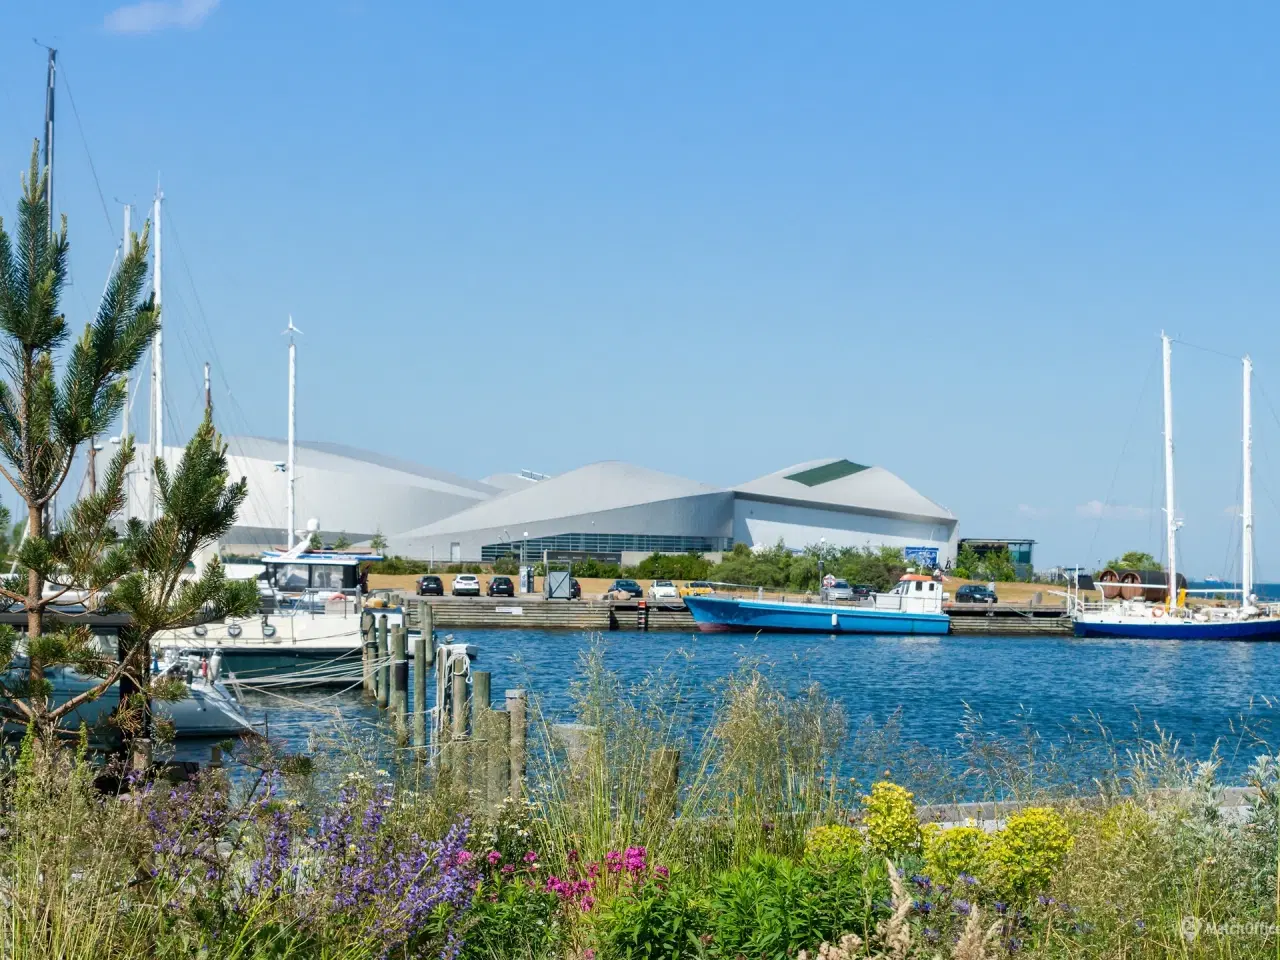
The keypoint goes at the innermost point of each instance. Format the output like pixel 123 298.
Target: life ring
pixel 1158 612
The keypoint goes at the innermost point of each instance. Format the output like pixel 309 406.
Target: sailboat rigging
pixel 1171 617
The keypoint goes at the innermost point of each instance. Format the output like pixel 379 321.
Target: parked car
pixel 840 590
pixel 975 593
pixel 575 589
pixel 501 587
pixel 629 587
pixel 466 585
pixel 696 588
pixel 430 586
pixel 863 591
pixel 663 590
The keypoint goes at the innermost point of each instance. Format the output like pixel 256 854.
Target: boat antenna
pixel 157 359
pixel 1170 523
pixel 290 330
pixel 1246 505
pixel 48 125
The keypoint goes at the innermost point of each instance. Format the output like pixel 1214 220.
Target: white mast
pixel 1171 524
pixel 293 389
pixel 157 361
pixel 1246 531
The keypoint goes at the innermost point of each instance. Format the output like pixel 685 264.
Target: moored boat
pixel 1162 613
pixel 914 606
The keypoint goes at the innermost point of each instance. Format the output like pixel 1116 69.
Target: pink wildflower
pixel 530 857
pixel 494 857
pixel 662 872
pixel 464 856
pixel 509 868
pixel 573 856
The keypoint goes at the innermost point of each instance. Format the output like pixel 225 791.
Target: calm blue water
pixel 1196 691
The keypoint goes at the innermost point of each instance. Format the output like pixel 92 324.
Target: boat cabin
pixel 914 593
pixel 314 571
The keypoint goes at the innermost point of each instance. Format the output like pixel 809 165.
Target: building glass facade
pixel 603 543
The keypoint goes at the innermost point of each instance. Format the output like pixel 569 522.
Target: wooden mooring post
pixel 424 656
pixel 400 681
pixel 518 716
pixel 369 642
pixel 384 665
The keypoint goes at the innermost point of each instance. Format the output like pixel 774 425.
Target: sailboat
pixel 312 603
pixel 1171 618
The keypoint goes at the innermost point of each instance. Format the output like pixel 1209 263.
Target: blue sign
pixel 922 556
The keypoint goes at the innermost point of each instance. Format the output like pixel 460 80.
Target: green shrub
pixel 509 566
pixel 1024 854
pixel 949 853
pixel 834 845
pixel 656 920
pixel 511 918
pixel 770 907
pixel 890 816
pixel 677 566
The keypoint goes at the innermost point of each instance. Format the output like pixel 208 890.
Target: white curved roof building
pixel 619 509
pixel 349 491
pixel 611 508
pixel 603 508
pixel 845 503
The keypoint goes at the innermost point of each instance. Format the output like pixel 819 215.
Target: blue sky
pixel 715 238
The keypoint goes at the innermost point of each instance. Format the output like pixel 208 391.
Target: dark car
pixel 575 589
pixel 975 593
pixel 629 587
pixel 863 591
pixel 430 586
pixel 501 587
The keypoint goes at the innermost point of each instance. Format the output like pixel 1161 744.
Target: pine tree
pixel 46 416
pixel 197 505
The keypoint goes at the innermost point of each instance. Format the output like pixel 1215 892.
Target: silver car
pixel 840 590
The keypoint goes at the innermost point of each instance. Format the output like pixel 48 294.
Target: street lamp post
pixel 822 587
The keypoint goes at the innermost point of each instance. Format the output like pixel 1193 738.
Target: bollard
pixel 460 699
pixel 399 679
pixel 481 683
pixel 384 666
pixel 499 731
pixel 424 655
pixel 141 759
pixel 517 710
pixel 215 757
pixel 366 657
pixel 370 645
pixel 457 733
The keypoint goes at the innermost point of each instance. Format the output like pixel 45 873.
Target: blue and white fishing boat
pixel 913 606
pixel 1170 618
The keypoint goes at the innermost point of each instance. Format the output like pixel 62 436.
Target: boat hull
pixel 1169 629
pixel 713 614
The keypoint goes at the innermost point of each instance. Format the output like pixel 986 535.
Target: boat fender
pixel 835 622
pixel 1158 612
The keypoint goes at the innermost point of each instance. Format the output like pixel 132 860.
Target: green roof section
pixel 834 470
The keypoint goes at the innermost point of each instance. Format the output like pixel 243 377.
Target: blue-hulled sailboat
pixel 1171 618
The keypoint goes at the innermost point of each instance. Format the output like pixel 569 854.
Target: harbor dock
pixel 532 612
